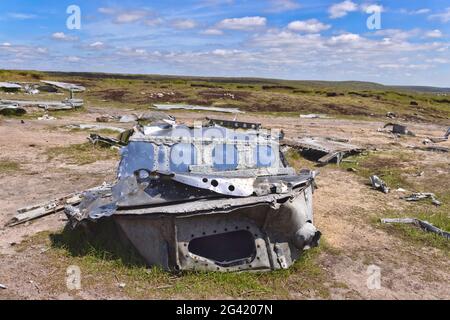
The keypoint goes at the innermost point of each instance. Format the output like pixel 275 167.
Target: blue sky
pixel 289 39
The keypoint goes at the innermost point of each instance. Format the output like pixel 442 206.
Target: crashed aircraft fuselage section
pixel 208 198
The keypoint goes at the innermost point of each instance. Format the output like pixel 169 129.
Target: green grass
pixel 105 260
pixel 7 166
pixel 397 168
pixel 348 99
pixel 81 154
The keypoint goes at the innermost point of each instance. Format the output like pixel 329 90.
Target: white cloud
pixel 371 8
pixel 21 16
pixel 283 5
pixel 61 36
pixel 126 16
pixel 212 32
pixel 341 9
pixel 97 45
pixel 184 24
pixel 130 16
pixel 245 23
pixel 6 44
pixel 434 34
pixel 346 38
pixel 42 50
pixel 308 26
pixel 397 34
pixel 443 16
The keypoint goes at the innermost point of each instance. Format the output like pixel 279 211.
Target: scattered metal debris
pixel 321 149
pixel 54 206
pixel 391 115
pixel 422 196
pixel 67 86
pixel 379 184
pixel 104 141
pixel 399 129
pixel 234 124
pixel 46 117
pixel 425 225
pixel 66 104
pixel 95 127
pixel 9 86
pixel 193 107
pixel 149 117
pixel 433 148
pixel 251 212
pixel 314 116
pixel 2 286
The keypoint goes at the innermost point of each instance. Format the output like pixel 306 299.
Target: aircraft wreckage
pixel 206 198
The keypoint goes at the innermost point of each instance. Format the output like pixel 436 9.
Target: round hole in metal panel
pixel 214 183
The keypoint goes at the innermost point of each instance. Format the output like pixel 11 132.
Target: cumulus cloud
pixel 443 16
pixel 346 38
pixel 122 16
pixel 245 23
pixel 308 26
pixel 61 36
pixel 341 9
pixel 434 34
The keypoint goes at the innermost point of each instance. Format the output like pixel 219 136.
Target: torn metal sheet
pixel 314 116
pixel 425 225
pixel 194 107
pixel 379 184
pixel 422 196
pixel 104 141
pixel 53 206
pixel 10 85
pixel 399 129
pixel 323 150
pixel 95 127
pixel 207 198
pixel 66 86
pixel 66 104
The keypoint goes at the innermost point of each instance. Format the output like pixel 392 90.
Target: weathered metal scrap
pixel 399 129
pixel 37 211
pixel 322 149
pixel 207 198
pixel 425 225
pixel 422 196
pixel 379 184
